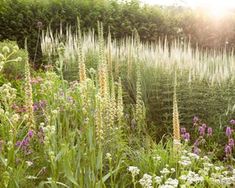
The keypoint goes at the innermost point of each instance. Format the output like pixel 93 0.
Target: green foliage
pixel 121 18
pixel 14 60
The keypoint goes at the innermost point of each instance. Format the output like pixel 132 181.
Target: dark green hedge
pixel 20 19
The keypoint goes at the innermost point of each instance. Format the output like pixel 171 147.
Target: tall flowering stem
pixel 103 80
pixel 102 72
pixel 99 121
pixel 176 123
pixel 82 66
pixel 29 97
pixel 102 114
pixel 139 108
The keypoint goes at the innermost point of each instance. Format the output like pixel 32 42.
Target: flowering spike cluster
pixel 82 66
pixel 29 97
pixel 176 123
pixel 103 80
pixel 99 120
pixel 101 43
pixel 102 72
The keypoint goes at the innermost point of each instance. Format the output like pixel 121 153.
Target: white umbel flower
pixel 146 181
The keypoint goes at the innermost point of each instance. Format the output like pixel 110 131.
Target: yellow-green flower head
pixel 92 71
pixel 15 118
pixel 5 49
pixel 19 59
pixel 15 48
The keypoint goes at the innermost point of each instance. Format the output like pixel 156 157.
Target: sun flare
pixel 217 9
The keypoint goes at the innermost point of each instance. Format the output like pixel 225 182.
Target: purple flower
pixel 24 145
pixel 228 131
pixel 204 125
pixel 18 143
pixel 30 133
pixel 228 150
pixel 232 121
pixel 195 119
pixel 186 136
pixel 201 131
pixel 231 142
pixel 39 105
pixel 182 130
pixel 209 131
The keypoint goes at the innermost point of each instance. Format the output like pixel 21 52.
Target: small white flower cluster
pixel 185 161
pixel 223 178
pixel 134 170
pixel 108 156
pixel 158 179
pixel 157 158
pixel 29 163
pixel 146 181
pixel 166 171
pixel 219 168
pixel 206 169
pixel 7 93
pixel 205 158
pixel 191 178
pixel 193 156
pixel 170 183
pixel 15 118
pixel 190 175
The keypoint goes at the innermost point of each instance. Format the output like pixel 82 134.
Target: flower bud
pixel 6 49
pixel 15 48
pixel 19 59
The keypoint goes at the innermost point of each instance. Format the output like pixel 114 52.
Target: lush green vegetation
pixel 151 22
pixel 116 113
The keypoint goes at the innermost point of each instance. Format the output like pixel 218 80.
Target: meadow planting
pixel 116 113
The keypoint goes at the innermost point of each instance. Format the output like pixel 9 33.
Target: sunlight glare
pixel 216 9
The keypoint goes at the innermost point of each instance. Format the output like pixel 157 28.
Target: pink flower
pixel 209 131
pixel 187 136
pixel 195 119
pixel 231 142
pixel 232 121
pixel 201 131
pixel 228 150
pixel 228 131
pixel 182 130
